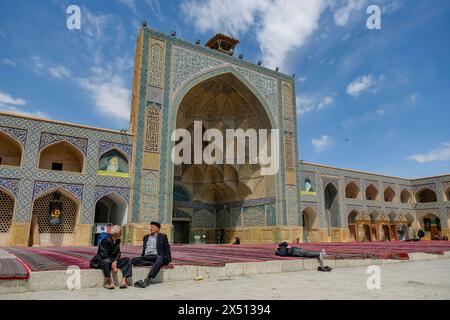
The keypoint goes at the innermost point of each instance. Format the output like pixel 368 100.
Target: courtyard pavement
pixel 420 280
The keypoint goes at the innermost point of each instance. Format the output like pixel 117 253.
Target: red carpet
pixel 59 258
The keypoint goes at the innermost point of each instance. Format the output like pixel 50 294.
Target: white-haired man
pixel 108 259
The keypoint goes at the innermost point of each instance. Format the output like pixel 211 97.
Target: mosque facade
pixel 64 184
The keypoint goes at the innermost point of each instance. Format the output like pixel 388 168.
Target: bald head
pixel 116 231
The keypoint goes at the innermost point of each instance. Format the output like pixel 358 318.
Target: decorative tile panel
pixel 105 146
pixel 187 63
pixel 49 138
pixel 265 85
pixel 12 185
pixel 289 151
pixel 149 196
pixel 254 216
pixel 101 191
pixel 156 66
pixel 41 187
pixel 18 134
pixel 152 129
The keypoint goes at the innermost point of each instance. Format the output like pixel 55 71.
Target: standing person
pixel 108 259
pixel 155 253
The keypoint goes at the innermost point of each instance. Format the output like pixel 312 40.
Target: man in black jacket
pixel 155 253
pixel 108 259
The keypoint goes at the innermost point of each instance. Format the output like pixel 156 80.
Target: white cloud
pixel 342 16
pixel 56 71
pixel 36 64
pixel 129 3
pixel 321 143
pixel 439 154
pixel 414 97
pixel 279 25
pixel 12 109
pixel 109 92
pixel 10 104
pixel 326 101
pixel 9 62
pixel 307 103
pixel 364 83
pixel 391 7
pixel 155 6
pixel 7 99
pixel 59 72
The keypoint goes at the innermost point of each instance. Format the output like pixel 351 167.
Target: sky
pixel 375 100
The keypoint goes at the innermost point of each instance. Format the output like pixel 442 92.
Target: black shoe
pixel 142 283
pixel 324 269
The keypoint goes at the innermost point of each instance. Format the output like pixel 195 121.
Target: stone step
pixel 60 280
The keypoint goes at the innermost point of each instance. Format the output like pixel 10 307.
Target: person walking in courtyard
pixel 108 258
pixel 155 253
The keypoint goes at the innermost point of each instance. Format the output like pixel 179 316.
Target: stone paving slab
pixel 57 280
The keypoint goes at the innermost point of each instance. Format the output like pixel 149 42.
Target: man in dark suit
pixel 155 253
pixel 108 259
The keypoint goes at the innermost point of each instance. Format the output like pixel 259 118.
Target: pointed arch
pixel 447 194
pixel 42 232
pixel 7 210
pixel 352 191
pixel 331 206
pixel 372 193
pixel 389 195
pixel 61 156
pixel 425 195
pixel 351 222
pixel 405 196
pixel 114 162
pixel 112 208
pixel 11 151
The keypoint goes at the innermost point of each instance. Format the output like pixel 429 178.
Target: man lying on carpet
pixel 285 250
pixel 108 259
pixel 155 253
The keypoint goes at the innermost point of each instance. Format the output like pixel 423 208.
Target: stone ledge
pixel 57 280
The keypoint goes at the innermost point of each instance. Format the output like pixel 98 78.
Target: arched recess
pixel 113 163
pixel 61 156
pixel 10 151
pixel 352 191
pixel 222 99
pixel 389 195
pixel 405 196
pixel 425 195
pixel 7 206
pixel 331 207
pixel 111 209
pixel 45 234
pixel 431 224
pixel 351 221
pixel 447 194
pixel 310 225
pixel 371 193
pixel 384 232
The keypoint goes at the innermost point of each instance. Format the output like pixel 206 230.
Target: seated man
pixel 284 250
pixel 155 253
pixel 108 259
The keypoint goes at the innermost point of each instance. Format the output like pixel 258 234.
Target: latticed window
pixel 69 215
pixel 6 211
